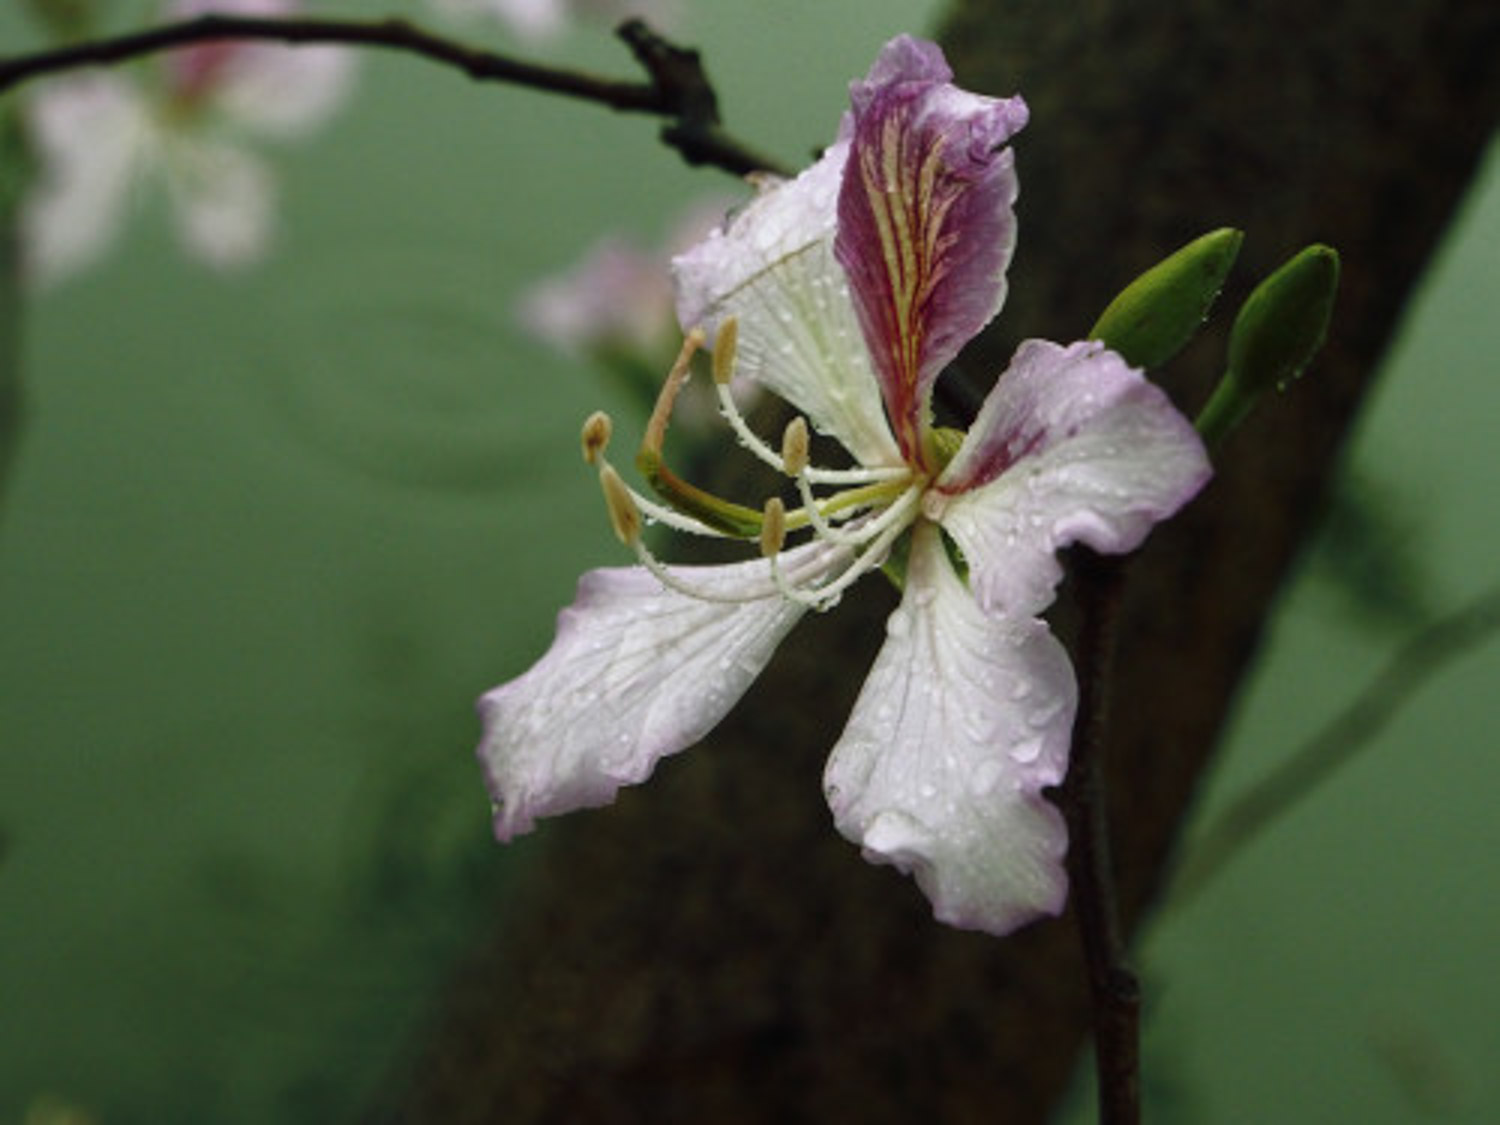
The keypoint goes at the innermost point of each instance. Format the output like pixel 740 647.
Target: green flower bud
pixel 1280 327
pixel 1156 314
pixel 1283 323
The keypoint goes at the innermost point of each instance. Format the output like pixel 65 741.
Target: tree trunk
pixel 709 950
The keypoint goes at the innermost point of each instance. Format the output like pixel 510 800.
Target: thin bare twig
pixel 1426 653
pixel 1114 990
pixel 678 87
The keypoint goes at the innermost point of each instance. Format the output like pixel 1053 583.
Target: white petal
pixel 286 91
pixel 637 672
pixel 224 200
pixel 278 89
pixel 92 136
pixel 964 719
pixel 1072 446
pixel 773 268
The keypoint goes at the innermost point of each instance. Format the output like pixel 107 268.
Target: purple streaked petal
pixel 772 268
pixel 925 223
pixel 964 719
pixel 1071 446
pixel 636 672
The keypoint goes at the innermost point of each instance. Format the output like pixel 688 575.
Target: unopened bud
pixel 624 516
pixel 1283 323
pixel 794 447
pixel 595 437
pixel 773 528
pixel 1154 316
pixel 1279 329
pixel 726 342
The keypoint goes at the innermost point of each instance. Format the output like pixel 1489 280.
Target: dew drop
pixel 1021 690
pixel 898 625
pixel 927 791
pixel 1027 751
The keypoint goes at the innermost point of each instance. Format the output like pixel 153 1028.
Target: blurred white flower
pixel 99 137
pixel 536 20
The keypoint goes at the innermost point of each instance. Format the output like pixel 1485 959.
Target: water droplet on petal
pixel 1027 751
pixel 898 625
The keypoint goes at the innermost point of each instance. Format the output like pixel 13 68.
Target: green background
pixel 268 536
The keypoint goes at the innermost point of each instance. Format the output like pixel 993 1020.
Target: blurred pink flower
pixel 101 137
pixel 618 302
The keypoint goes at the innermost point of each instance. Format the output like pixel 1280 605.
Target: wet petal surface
pixel 1071 446
pixel 636 672
pixel 964 719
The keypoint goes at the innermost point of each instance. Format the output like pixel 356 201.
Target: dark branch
pixel 678 88
pixel 1113 989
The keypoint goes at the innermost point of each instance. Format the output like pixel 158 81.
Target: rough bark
pixel 708 949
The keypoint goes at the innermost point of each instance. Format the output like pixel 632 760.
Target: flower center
pixel 858 517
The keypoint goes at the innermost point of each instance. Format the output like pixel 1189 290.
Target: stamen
pixel 751 441
pixel 794 447
pixel 597 429
pixel 773 528
pixel 682 586
pixel 814 515
pixel 671 517
pixel 724 350
pixel 891 523
pixel 624 516
pixel 841 506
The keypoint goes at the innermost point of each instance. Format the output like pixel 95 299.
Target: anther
pixel 595 437
pixel 624 516
pixel 773 528
pixel 724 351
pixel 794 447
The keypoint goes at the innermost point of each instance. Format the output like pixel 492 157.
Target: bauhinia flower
pixel 100 136
pixel 846 291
